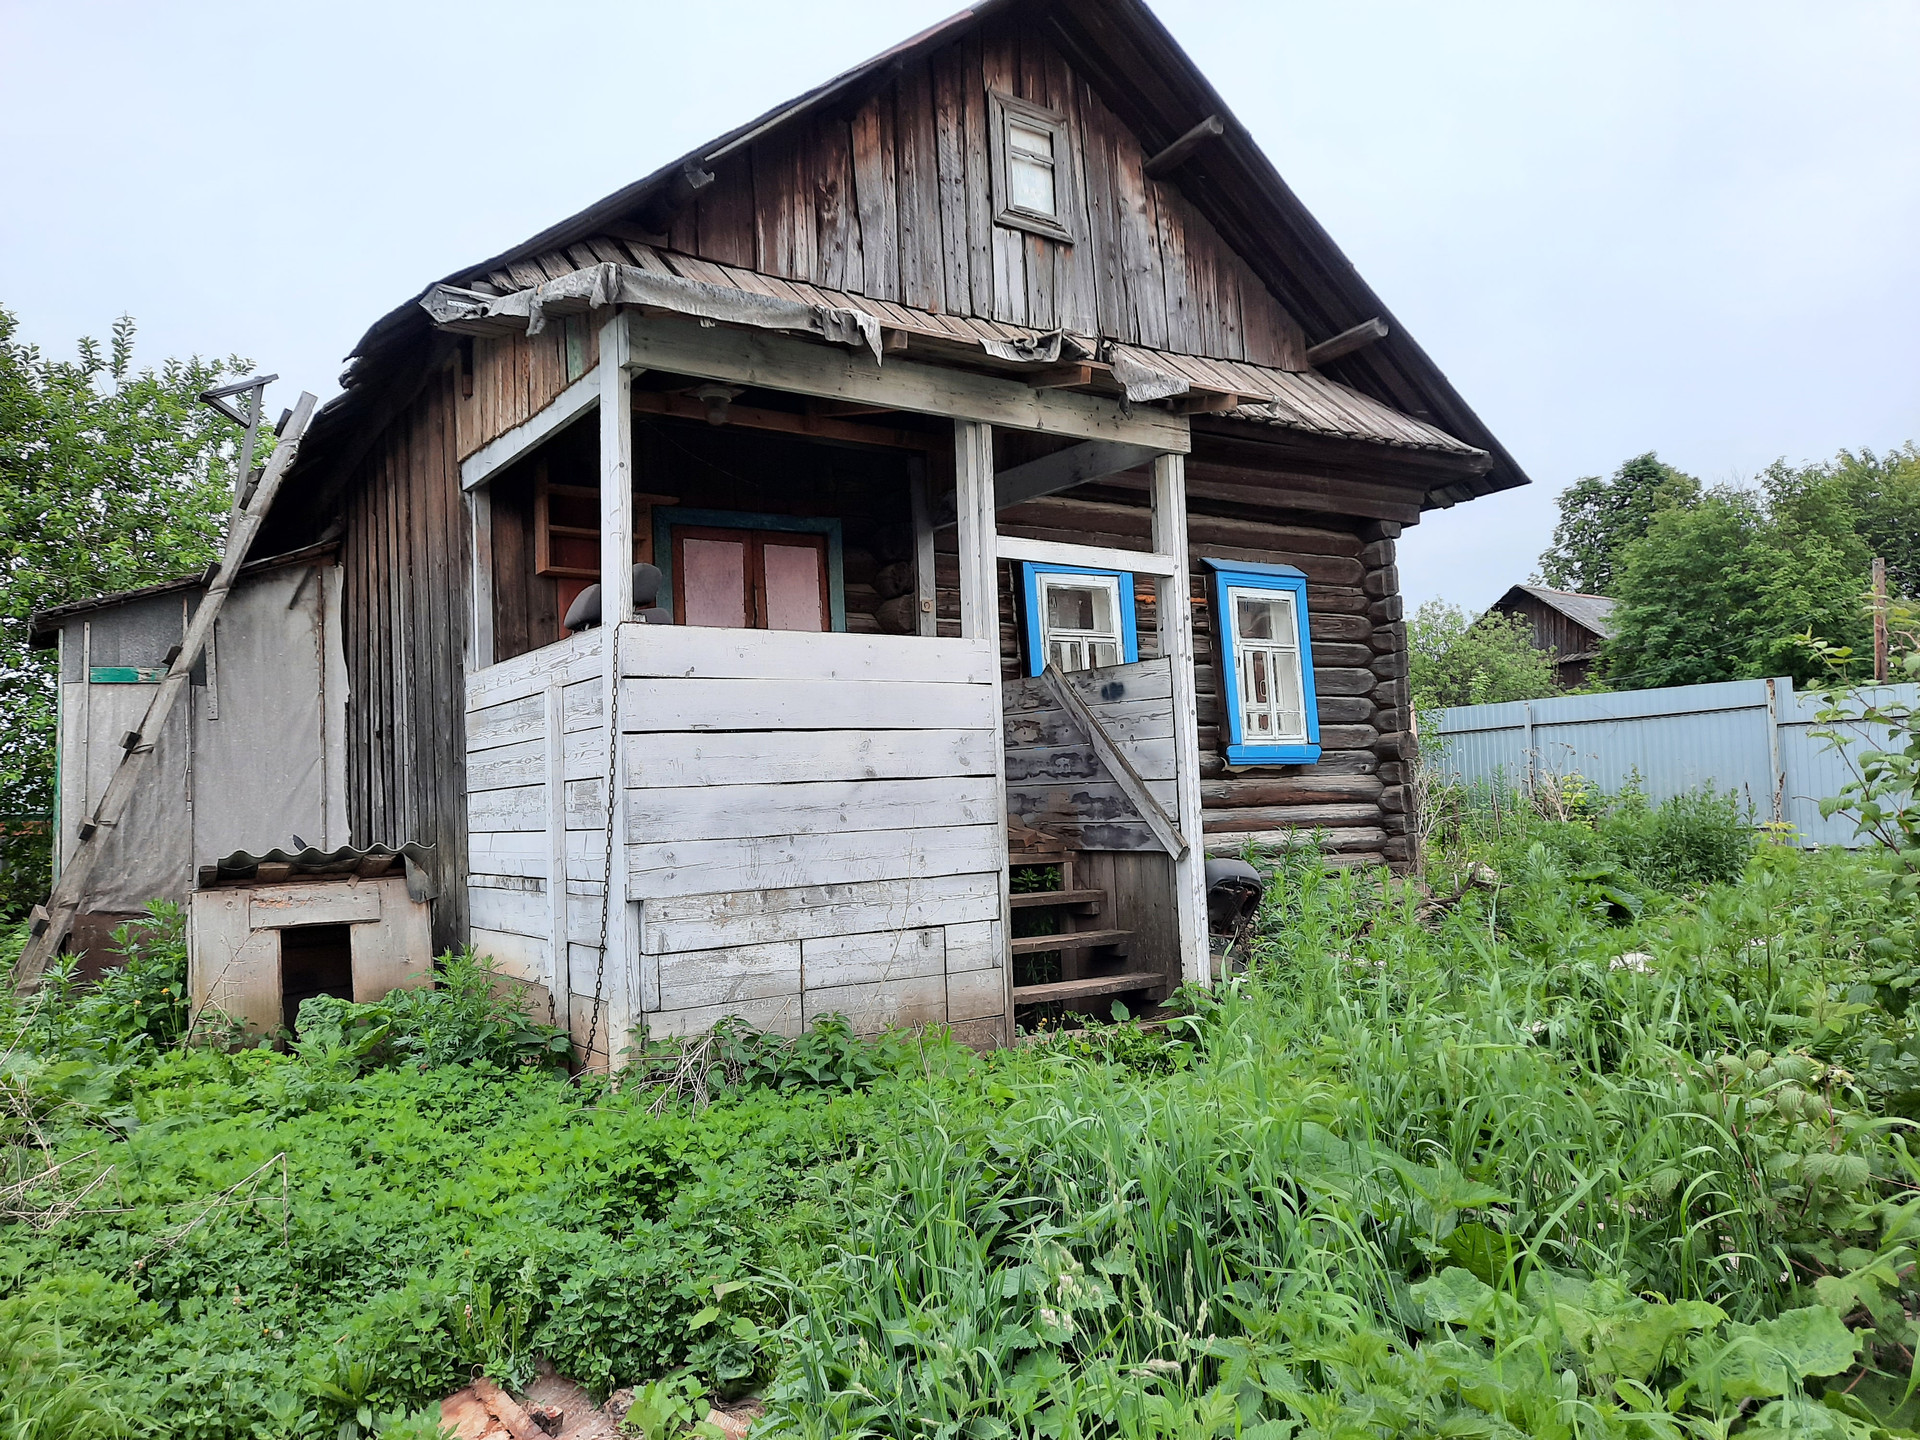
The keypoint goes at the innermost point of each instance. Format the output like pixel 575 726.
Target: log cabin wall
pixel 895 201
pixel 404 549
pixel 1356 796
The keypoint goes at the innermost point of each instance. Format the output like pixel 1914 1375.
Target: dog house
pixel 268 932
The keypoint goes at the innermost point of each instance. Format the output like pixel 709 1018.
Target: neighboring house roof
pixel 1388 392
pixel 1591 612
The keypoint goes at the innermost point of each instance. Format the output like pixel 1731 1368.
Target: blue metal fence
pixel 1748 736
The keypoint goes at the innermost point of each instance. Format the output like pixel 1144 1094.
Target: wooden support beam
pixel 523 439
pixel 1206 130
pixel 1175 623
pixel 1064 469
pixel 832 372
pixel 1060 377
pixel 1347 341
pixel 831 408
pixel 747 417
pixel 1088 557
pixel 1206 403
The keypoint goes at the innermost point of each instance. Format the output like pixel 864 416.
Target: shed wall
pixel 405 552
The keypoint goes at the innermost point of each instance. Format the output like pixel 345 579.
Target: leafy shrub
pixel 467 1018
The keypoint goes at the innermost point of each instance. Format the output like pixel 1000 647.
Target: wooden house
pixel 1569 625
pixel 1019 468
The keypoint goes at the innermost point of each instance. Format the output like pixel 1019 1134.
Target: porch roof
pixel 1303 400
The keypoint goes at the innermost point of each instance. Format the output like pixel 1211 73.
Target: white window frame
pixel 1058 225
pixel 1041 636
pixel 1232 579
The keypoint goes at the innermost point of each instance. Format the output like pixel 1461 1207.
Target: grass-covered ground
pixel 1614 1145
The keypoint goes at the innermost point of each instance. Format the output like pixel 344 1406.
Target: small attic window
pixel 1032 168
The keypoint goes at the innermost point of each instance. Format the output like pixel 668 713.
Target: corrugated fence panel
pixel 1748 736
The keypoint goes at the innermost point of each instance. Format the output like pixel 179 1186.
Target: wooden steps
pixel 1070 940
pixel 1090 988
pixel 1046 899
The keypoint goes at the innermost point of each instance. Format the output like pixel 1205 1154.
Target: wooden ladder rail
pixel 51 922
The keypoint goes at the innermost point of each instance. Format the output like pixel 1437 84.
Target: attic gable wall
pixel 893 201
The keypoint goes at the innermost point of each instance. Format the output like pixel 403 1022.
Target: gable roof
pixel 1590 612
pixel 1140 71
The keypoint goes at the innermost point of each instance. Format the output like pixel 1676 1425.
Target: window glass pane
pixel 1030 162
pixel 1264 617
pixel 796 584
pixel 1080 620
pixel 715 583
pixel 1080 607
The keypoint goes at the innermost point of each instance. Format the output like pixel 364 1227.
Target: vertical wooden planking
pixel 979 170
pixel 772 208
pixel 1103 236
pixel 922 264
pixel 805 167
pixel 1182 323
pixel 950 136
pixel 926 622
pixel 726 212
pixel 1000 70
pixel 874 194
pixel 1139 250
pixel 838 218
pixel 1074 264
pixel 1175 623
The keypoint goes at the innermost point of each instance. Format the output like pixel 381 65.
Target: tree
pixel 110 479
pixel 1600 518
pixel 1458 660
pixel 1725 588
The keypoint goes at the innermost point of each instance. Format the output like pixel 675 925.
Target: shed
pixel 1570 625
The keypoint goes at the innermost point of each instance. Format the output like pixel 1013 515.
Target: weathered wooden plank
pixel 1067 764
pixel 504 767
pixel 747 917
pixel 1108 685
pixel 878 957
pixel 791 861
pixel 507 723
pixel 950 137
pixel 521 808
pixel 782 362
pixel 574 659
pixel 694 979
pixel 717 812
pixel 694 653
pixel 922 266
pixel 1127 722
pixel 709 705
pixel 783 757
pixel 894 1004
pixel 777 1015
pixel 875 194
pixel 515 912
pixel 976 945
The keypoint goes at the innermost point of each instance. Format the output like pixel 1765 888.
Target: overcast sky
pixel 1684 227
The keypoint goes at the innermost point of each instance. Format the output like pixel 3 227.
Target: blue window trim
pixel 1030 573
pixel 1249 575
pixel 666 517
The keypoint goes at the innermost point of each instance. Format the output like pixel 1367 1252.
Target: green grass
pixel 1611 1148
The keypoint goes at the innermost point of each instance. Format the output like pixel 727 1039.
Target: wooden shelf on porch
pixel 1090 988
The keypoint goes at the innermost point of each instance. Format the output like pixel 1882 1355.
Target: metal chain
pixel 606 873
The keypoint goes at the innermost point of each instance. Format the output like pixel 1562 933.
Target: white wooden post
pixel 1174 611
pixel 616 611
pixel 480 585
pixel 980 620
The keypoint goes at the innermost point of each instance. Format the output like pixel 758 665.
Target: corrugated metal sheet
pixel 1748 736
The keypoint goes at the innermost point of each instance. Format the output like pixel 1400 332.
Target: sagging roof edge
pixel 43 625
pixel 1395 370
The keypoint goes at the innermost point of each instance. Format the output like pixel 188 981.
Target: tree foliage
pixel 1458 660
pixel 1600 518
pixel 1724 588
pixel 110 478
